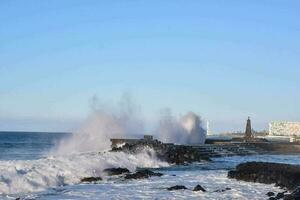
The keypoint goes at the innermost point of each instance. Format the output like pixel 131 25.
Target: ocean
pixel 29 170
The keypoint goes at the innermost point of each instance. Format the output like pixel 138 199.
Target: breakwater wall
pixel 278 148
pixel 179 154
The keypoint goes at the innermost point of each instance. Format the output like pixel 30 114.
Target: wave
pixel 20 177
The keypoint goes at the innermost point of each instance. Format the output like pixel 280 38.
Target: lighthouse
pixel 248 133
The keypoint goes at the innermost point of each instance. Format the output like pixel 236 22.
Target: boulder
pixel 280 195
pixel 115 171
pixel 142 174
pixel 91 179
pixel 199 188
pixel 222 190
pixel 177 187
pixel 283 175
pixel 270 194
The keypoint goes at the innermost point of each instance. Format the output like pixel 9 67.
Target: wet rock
pixel 283 175
pixel 270 194
pixel 174 154
pixel 91 179
pixel 295 195
pixel 232 174
pixel 289 197
pixel 177 187
pixel 222 190
pixel 116 171
pixel 199 188
pixel 142 174
pixel 280 195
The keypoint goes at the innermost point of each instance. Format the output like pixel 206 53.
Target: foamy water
pixel 59 178
pixel 20 177
pixel 155 188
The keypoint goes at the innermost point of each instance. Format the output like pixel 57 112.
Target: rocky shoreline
pixel 125 174
pixel 285 176
pixel 173 154
pixel 282 175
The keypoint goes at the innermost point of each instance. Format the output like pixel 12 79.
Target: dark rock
pixel 171 153
pixel 91 179
pixel 142 174
pixel 283 175
pixel 296 191
pixel 116 171
pixel 199 188
pixel 222 190
pixel 272 198
pixel 232 174
pixel 270 194
pixel 289 197
pixel 280 195
pixel 295 195
pixel 177 187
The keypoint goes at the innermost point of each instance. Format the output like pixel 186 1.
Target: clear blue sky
pixel 223 59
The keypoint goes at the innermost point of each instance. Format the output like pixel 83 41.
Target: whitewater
pixel 59 178
pixel 50 166
pixel 19 177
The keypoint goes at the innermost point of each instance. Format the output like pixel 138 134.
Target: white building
pixel 284 129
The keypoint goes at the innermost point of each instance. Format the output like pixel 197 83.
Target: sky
pixel 225 60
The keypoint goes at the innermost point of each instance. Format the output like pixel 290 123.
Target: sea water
pixel 29 171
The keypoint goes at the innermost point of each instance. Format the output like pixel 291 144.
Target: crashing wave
pixel 37 175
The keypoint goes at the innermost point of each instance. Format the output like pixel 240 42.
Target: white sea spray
pixel 54 171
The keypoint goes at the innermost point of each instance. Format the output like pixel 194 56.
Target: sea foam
pixel 17 177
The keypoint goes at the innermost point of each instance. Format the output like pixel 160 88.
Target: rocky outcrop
pixel 177 187
pixel 174 154
pixel 295 195
pixel 115 171
pixel 199 188
pixel 179 154
pixel 142 174
pixel 91 179
pixel 283 175
pixel 270 194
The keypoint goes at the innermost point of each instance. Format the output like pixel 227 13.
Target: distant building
pixel 284 129
pixel 148 137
